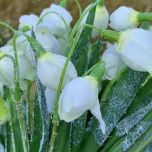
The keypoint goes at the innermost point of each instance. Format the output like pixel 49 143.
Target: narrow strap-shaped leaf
pixel 40 137
pixel 62 143
pixel 80 54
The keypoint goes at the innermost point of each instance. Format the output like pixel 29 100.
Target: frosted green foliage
pixel 148 148
pixel 134 134
pixel 122 95
pixel 128 123
pixel 41 123
pixel 78 129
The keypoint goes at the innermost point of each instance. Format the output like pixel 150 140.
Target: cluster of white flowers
pixel 133 48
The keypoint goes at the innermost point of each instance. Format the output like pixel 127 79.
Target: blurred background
pixel 11 10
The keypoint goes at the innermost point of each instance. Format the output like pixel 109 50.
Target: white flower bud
pixel 28 20
pixel 50 96
pixel 49 69
pixel 124 18
pixel 101 19
pixel 135 47
pixel 113 62
pixel 57 17
pixel 78 96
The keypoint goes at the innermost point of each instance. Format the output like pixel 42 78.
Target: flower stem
pixel 144 17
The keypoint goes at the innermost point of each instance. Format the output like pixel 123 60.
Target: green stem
pixel 110 35
pixel 144 17
pixel 101 2
pixel 16 71
pixel 63 3
pixel 98 72
pixel 79 7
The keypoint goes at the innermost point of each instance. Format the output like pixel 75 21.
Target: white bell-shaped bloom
pixel 50 96
pixel 49 42
pixel 78 96
pixel 124 18
pixel 113 62
pixel 101 19
pixel 6 68
pixel 28 21
pixel 135 47
pixel 58 18
pixel 49 69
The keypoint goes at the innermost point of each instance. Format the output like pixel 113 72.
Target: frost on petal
pixel 28 20
pixel 50 96
pixel 95 110
pixel 78 96
pixel 123 18
pixel 135 48
pixel 113 62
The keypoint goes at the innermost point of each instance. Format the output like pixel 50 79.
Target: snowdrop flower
pixel 49 69
pixel 78 96
pixel 50 96
pixel 49 42
pixel 113 62
pixel 135 47
pixel 6 70
pixel 58 18
pixel 101 20
pixel 28 21
pixel 124 18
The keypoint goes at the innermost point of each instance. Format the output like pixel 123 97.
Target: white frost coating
pixel 49 70
pixel 135 47
pixel 124 18
pixel 74 101
pixel 128 123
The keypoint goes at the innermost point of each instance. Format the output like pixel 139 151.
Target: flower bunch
pixel 48 51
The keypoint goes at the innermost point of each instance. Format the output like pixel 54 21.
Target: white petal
pixel 78 96
pixel 135 47
pixel 49 70
pixel 50 96
pixel 95 110
pixel 123 18
pixel 46 39
pixel 62 11
pixel 101 20
pixel 113 62
pixel 28 20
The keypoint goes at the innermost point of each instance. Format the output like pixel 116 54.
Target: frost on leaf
pixel 128 123
pixel 122 95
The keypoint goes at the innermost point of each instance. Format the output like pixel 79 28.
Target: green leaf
pixel 62 143
pixel 95 53
pixel 40 137
pixel 121 96
pixel 80 55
